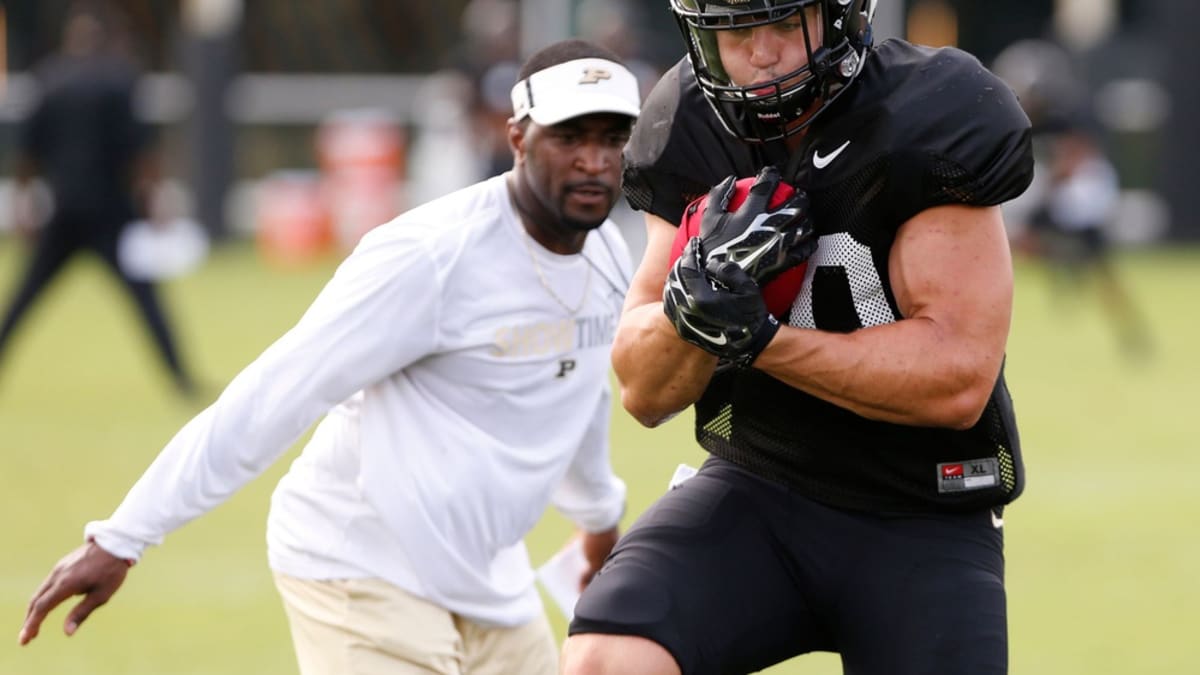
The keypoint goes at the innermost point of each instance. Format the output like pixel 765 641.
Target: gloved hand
pixel 717 307
pixel 763 241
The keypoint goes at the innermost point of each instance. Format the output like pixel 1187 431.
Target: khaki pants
pixel 370 627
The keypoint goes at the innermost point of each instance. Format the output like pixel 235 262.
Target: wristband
pixel 758 342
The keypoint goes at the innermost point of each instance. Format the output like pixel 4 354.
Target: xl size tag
pixel 972 474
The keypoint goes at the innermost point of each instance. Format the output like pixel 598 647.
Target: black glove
pixel 761 240
pixel 718 308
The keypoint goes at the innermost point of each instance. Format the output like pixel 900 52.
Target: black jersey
pixel 919 128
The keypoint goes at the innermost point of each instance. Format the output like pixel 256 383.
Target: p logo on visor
pixel 594 75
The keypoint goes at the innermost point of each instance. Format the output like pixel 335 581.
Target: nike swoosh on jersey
pixel 822 162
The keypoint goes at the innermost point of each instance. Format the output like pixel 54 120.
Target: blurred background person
pixel 84 141
pixel 1065 219
pixel 462 109
pixel 490 58
pixel 1067 230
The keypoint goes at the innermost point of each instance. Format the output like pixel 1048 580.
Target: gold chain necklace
pixel 587 280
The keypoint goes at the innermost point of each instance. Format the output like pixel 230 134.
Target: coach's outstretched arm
pixel 660 374
pixel 262 412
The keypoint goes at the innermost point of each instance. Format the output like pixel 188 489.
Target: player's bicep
pixel 951 265
pixel 651 274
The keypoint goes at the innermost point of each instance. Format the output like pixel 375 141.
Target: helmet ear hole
pixel 848 67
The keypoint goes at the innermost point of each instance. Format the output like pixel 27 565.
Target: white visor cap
pixel 574 88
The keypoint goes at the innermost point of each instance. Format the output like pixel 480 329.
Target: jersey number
pixel 857 267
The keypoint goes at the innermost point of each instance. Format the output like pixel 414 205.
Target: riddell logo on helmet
pixel 594 75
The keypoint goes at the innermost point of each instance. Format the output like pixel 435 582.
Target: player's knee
pixel 598 654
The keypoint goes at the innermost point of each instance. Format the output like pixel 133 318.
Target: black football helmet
pixel 768 111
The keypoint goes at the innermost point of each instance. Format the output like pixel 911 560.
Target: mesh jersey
pixel 919 128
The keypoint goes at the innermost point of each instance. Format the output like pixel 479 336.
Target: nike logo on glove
pixel 718 339
pixel 822 162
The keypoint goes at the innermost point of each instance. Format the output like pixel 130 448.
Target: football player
pixel 862 445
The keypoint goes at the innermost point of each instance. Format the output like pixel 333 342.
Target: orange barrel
pixel 292 220
pixel 362 157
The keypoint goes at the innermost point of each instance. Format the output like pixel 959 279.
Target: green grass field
pixel 1104 562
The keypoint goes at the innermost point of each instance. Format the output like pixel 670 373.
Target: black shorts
pixel 732 573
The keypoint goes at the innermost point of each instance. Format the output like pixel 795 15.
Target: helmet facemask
pixel 834 34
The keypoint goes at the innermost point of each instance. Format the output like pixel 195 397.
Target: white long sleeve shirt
pixel 463 397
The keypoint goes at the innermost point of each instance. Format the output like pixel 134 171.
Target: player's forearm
pixel 911 372
pixel 659 374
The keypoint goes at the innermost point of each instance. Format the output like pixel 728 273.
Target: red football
pixel 780 291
